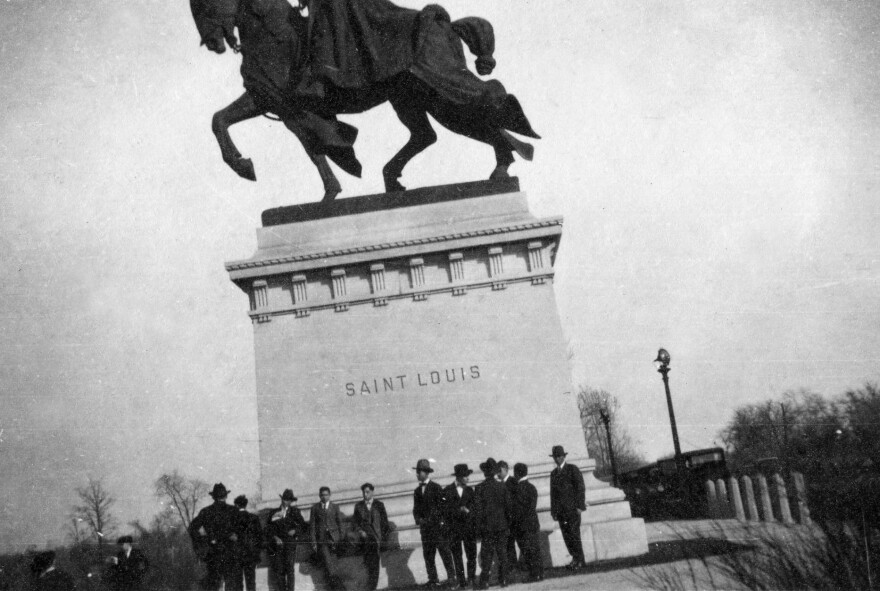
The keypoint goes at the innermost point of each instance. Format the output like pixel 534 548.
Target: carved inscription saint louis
pixel 403 382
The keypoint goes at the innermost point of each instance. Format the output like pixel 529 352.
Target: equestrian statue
pixel 307 64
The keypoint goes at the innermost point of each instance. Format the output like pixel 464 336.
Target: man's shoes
pixel 432 585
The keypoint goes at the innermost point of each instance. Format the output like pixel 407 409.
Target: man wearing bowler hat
pixel 567 501
pixel 459 499
pixel 214 535
pixel 494 510
pixel 428 511
pixel 284 526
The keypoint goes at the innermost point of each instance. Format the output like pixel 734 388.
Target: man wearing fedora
pixel 283 528
pixel 371 523
pixel 526 525
pixel 128 567
pixel 459 499
pixel 325 526
pixel 567 501
pixel 214 535
pixel 250 542
pixel 494 510
pixel 428 511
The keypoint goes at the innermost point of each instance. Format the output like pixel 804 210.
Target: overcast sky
pixel 717 166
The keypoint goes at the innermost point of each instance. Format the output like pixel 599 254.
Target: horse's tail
pixel 478 34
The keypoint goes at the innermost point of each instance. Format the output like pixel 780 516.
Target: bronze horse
pixel 275 64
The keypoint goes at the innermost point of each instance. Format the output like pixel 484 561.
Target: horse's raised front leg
pixel 421 136
pixel 332 188
pixel 241 109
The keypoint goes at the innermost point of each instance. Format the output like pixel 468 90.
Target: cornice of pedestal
pixel 376 256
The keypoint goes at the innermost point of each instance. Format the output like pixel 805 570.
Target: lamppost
pixel 605 415
pixel 662 365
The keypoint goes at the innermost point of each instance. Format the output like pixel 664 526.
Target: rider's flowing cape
pixel 309 65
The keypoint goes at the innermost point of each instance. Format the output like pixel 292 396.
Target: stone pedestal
pixel 415 325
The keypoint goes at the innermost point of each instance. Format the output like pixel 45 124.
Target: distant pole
pixel 606 418
pixel 662 363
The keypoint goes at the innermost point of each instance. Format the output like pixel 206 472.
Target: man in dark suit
pixel 128 567
pixel 567 502
pixel 46 577
pixel 325 526
pixel 283 529
pixel 250 543
pixel 428 511
pixel 214 535
pixel 526 525
pixel 371 523
pixel 459 499
pixel 509 481
pixel 493 508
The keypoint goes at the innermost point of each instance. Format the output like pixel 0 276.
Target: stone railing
pixel 759 497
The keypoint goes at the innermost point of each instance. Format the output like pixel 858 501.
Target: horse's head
pixel 215 20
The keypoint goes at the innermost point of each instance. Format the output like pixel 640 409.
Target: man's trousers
pixel 469 542
pixel 494 543
pixel 434 541
pixel 571 534
pixel 282 568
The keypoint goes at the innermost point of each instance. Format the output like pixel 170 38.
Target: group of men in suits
pixel 500 512
pixel 325 534
pixel 230 540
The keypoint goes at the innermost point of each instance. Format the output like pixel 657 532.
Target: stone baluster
pixel 766 505
pixel 723 501
pixel 801 490
pixel 782 493
pixel 751 506
pixel 736 499
pixel 711 499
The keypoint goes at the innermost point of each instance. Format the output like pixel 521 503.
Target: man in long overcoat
pixel 494 511
pixel 214 535
pixel 283 529
pixel 567 502
pixel 459 498
pixel 526 525
pixel 371 523
pixel 429 513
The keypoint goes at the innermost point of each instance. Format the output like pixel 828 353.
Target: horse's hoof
pixel 330 194
pixel 244 168
pixel 498 174
pixel 393 186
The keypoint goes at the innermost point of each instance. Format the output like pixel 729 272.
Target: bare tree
pixel 94 510
pixel 182 494
pixel 590 404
